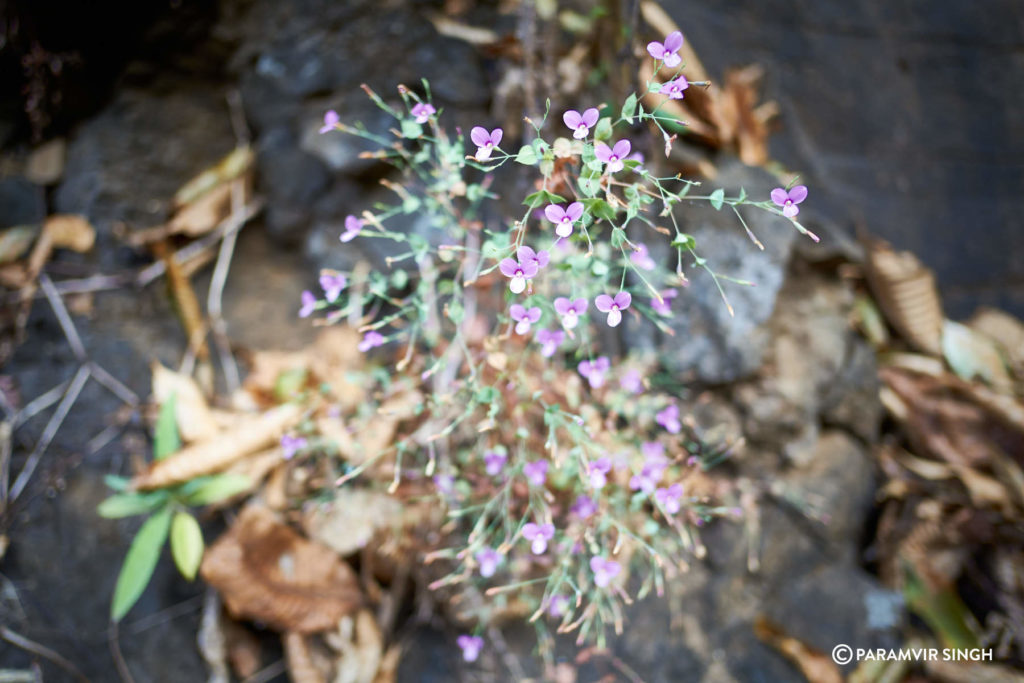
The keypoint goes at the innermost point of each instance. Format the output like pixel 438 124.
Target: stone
pixel 21 202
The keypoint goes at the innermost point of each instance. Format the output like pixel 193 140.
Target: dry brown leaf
pixel 69 231
pixel 906 292
pixel 254 468
pixel 233 165
pixel 267 572
pixel 244 649
pixel 815 665
pixel 203 215
pixel 351 520
pixel 15 241
pixel 360 646
pixel 1005 330
pixel 474 35
pixel 388 671
pixel 252 435
pixel 195 420
pixel 302 667
pixel 972 355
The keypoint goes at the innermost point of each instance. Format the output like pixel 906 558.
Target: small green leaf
pixel 411 129
pixel 743 196
pixel 603 130
pixel 411 204
pixel 618 237
pixel 543 197
pixel 684 241
pixel 629 107
pixel 599 208
pixel 455 310
pixel 130 503
pixel 399 279
pixel 290 384
pixel 590 183
pixel 218 488
pixel 546 167
pixel 527 155
pixel 186 544
pixel 717 197
pixel 165 436
pixel 139 563
pixel 115 482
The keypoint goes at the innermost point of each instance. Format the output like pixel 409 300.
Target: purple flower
pixel 445 483
pixel 653 469
pixel 494 461
pixel 604 570
pixel 525 268
pixel 371 339
pixel 789 200
pixel 612 156
pixel 674 88
pixel 668 498
pixel 580 124
pixel 353 226
pixel 641 257
pixel 632 381
pixel 471 646
pixel 536 472
pixel 669 418
pixel 330 121
pixel 594 370
pixel 584 507
pixel 524 317
pixel 653 452
pixel 308 304
pixel 666 51
pixel 597 472
pixel 550 340
pixel 292 445
pixel 538 535
pixel 564 218
pixel 613 306
pixel 663 305
pixel 332 283
pixel 559 606
pixel 484 141
pixel 489 559
pixel 423 111
pixel 570 311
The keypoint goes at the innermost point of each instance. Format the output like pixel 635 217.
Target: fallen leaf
pixel 360 647
pixel 1005 330
pixel 195 420
pixel 233 165
pixel 971 355
pixel 301 665
pixel 15 241
pixel 267 572
pixel 351 520
pixel 815 665
pixel 69 231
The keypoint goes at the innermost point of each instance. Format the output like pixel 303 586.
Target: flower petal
pixel 508 267
pixel 572 118
pixel 604 303
pixel 621 149
pixel 614 317
pixel 779 196
pixel 495 136
pixel 554 212
pixel 533 314
pixel 517 285
pixel 798 194
pixel 590 117
pixel 562 305
pixel 655 49
pixel 574 211
pixel 602 151
pixel 479 136
pixel 623 299
pixel 517 311
pixel 674 41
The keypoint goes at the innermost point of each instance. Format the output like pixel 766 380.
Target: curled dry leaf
pixel 302 664
pixel 351 520
pixel 195 420
pixel 68 231
pixel 267 572
pixel 971 355
pixel 906 292
pixel 233 165
pixel 816 666
pixel 1004 329
pixel 360 647
pixel 257 433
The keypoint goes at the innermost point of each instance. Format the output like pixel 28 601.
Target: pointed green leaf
pixel 411 129
pixel 684 241
pixel 186 544
pixel 629 107
pixel 131 503
pixel 165 436
pixel 603 130
pixel 115 482
pixel 717 197
pixel 218 488
pixel 527 156
pixel 139 563
pixel 543 197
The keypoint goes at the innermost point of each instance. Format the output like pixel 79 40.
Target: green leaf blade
pixel 186 544
pixel 218 488
pixel 165 436
pixel 139 563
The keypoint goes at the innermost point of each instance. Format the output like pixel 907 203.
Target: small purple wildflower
pixel 666 51
pixel 669 419
pixel 613 156
pixel 597 472
pixel 559 606
pixel 290 445
pixel 489 559
pixel 470 646
pixel 580 124
pixel 674 88
pixel 371 339
pixel 584 507
pixel 604 570
pixel 536 472
pixel 485 142
pixel 353 226
pixel 669 498
pixel 540 258
pixel 664 304
pixel 332 283
pixel 494 461
pixel 538 535
pixel 632 381
pixel 654 467
pixel 331 120
pixel 445 483
pixel 641 257
pixel 519 273
pixel 423 111
pixel 564 218
pixel 570 311
pixel 550 341
pixel 524 317
pixel 613 306
pixel 595 370
pixel 789 200
pixel 308 304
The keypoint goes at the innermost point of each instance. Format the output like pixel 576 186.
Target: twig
pixel 113 384
pixel 268 672
pixel 63 317
pixel 214 299
pixel 5 461
pixel 113 640
pixel 41 650
pixel 39 404
pixel 163 616
pixel 75 388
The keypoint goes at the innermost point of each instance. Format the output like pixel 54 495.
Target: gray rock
pixel 21 202
pixel 709 344
pixel 291 180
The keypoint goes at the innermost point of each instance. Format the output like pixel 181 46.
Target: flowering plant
pixel 563 471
